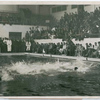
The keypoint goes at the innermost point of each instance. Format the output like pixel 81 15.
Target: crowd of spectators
pixel 79 26
pixel 70 26
pixel 67 48
pixel 73 25
pixel 26 17
pixel 38 32
pixel 9 18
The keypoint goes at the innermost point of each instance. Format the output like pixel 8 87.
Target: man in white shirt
pixel 9 45
pixel 28 46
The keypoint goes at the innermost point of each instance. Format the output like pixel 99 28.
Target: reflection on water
pixel 34 76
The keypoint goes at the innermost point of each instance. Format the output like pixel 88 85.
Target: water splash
pixel 23 68
pixel 82 66
pixel 6 76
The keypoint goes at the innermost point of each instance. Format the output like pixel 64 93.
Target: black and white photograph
pixel 49 50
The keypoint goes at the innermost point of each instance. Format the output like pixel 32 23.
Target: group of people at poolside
pixel 89 51
pixel 67 48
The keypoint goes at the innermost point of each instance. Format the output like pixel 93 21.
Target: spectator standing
pixel 98 49
pixel 95 46
pixel 95 53
pixel 64 48
pixel 28 46
pixel 9 45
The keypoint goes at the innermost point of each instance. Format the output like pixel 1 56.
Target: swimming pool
pixel 33 76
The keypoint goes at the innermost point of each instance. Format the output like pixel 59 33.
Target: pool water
pixel 31 76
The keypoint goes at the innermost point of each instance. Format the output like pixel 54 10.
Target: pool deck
pixel 51 56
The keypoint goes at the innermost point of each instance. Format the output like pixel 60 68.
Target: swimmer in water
pixel 75 68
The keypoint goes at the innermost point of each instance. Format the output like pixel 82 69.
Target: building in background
pixel 58 10
pixel 15 20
